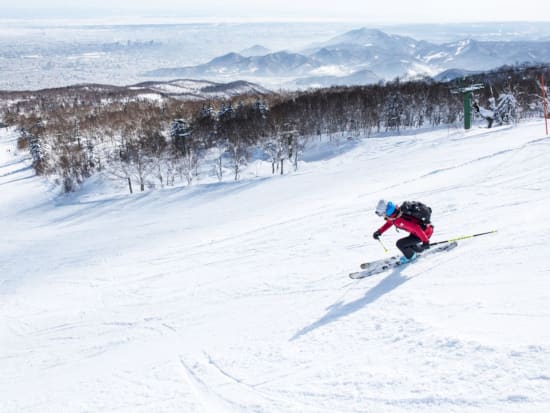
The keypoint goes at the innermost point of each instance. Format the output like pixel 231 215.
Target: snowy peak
pixel 370 38
pixel 256 50
pixel 385 55
pixel 475 55
pixel 283 63
pixel 227 59
pixel 362 37
pixel 233 64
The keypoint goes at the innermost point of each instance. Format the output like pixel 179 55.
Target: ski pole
pixel 463 237
pixel 381 243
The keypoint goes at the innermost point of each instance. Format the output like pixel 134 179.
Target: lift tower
pixel 467 94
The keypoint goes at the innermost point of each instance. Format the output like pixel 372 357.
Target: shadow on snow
pixel 339 309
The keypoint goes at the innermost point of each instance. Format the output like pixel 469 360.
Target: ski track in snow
pixel 234 297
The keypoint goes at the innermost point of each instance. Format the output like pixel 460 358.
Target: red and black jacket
pixel 408 224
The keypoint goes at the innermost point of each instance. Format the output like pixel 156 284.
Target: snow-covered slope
pixel 234 297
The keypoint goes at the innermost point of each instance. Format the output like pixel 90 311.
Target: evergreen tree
pixel 507 108
pixel 180 131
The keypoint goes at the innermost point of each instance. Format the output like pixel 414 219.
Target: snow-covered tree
pixel 35 148
pixel 238 151
pixel 226 111
pixel 507 108
pixel 218 151
pixel 274 150
pixel 37 145
pixel 180 131
pixel 134 161
pixel 188 166
pixel 291 137
pixel 261 107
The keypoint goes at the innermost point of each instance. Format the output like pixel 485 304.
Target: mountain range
pixel 364 56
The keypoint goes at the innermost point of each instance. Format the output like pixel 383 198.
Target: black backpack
pixel 417 210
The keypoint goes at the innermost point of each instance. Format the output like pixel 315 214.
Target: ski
pixel 376 267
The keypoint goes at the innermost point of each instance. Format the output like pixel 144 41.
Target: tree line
pixel 74 132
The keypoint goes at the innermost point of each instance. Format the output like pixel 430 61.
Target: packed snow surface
pixel 235 297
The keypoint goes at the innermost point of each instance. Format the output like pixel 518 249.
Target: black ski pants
pixel 409 245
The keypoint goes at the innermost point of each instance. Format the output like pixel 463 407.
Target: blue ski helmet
pixel 390 208
pixel 385 208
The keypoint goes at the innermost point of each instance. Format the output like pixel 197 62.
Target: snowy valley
pixel 235 296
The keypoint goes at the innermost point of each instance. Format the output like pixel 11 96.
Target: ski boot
pixel 405 260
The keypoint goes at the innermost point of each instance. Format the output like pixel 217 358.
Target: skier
pixel 487 114
pixel 419 238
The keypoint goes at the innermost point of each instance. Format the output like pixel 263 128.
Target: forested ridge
pixel 74 132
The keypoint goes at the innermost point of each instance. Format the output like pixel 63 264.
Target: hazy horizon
pixel 401 11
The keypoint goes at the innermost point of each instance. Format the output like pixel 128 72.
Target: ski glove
pixel 376 234
pixel 426 245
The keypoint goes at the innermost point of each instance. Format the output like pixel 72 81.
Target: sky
pixel 400 11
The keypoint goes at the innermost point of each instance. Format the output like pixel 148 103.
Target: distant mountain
pixel 199 89
pixel 474 55
pixel 451 74
pixel 374 53
pixel 256 50
pixel 373 39
pixel 185 89
pixel 236 65
pixel 362 77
